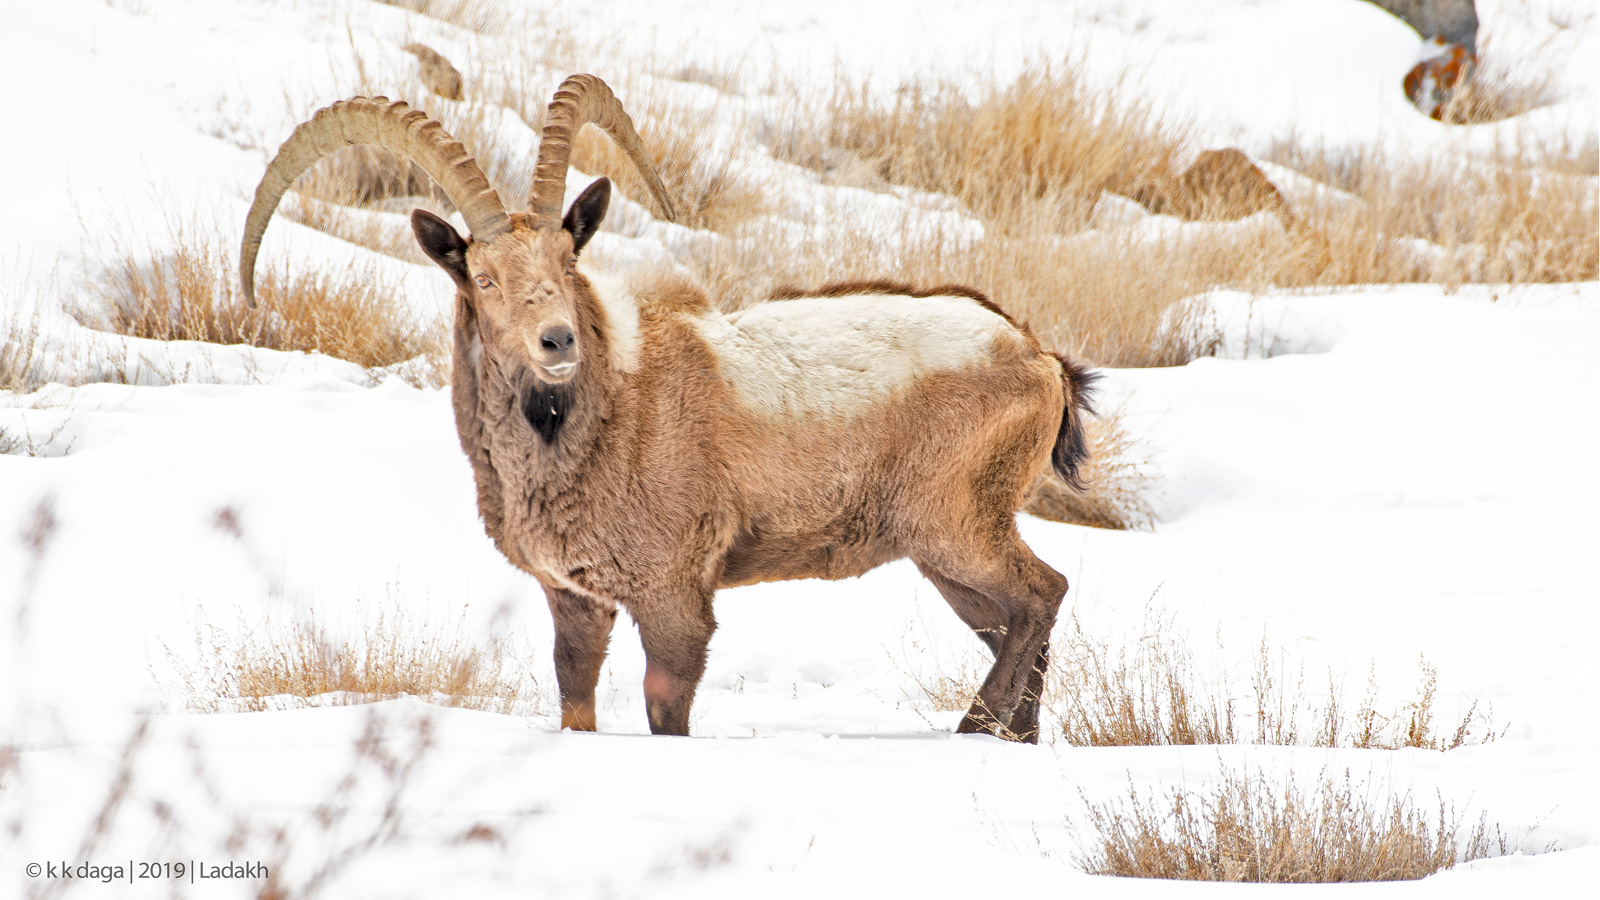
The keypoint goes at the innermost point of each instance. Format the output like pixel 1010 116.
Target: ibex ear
pixel 583 219
pixel 443 245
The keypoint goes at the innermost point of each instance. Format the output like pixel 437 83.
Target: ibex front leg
pixel 583 629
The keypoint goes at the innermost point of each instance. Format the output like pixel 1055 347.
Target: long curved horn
pixel 583 100
pixel 393 126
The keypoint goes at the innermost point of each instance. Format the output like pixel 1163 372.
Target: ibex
pixel 643 449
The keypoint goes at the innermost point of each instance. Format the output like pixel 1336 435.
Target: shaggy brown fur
pixel 646 454
pixel 659 488
pixel 901 289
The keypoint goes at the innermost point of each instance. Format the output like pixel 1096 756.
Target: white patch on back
pixel 622 316
pixel 836 356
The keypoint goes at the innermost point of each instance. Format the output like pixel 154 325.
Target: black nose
pixel 558 339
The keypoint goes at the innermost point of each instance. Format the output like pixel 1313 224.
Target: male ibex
pixel 646 450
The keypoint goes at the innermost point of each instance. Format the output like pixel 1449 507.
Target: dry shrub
pixel 19 328
pixel 1523 215
pixel 703 175
pixel 286 664
pixel 382 233
pixel 1032 161
pixel 1036 161
pixel 192 294
pixel 947 686
pixel 1412 725
pixel 1117 478
pixel 1153 692
pixel 1500 87
pixel 1246 829
pixel 344 193
pixel 1023 157
pixel 368 176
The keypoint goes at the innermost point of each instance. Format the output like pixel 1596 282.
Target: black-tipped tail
pixel 1072 441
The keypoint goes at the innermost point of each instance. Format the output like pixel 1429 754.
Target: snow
pixel 1365 476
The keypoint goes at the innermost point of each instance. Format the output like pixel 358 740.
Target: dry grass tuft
pixel 701 170
pixel 1031 161
pixel 1150 693
pixel 1154 692
pixel 367 176
pixel 1520 216
pixel 1500 88
pixel 19 328
pixel 1022 157
pixel 192 294
pixel 1118 480
pixel 304 663
pixel 711 191
pixel 1040 163
pixel 380 232
pixel 946 686
pixel 1246 829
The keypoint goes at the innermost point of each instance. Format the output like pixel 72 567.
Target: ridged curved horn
pixel 393 126
pixel 583 100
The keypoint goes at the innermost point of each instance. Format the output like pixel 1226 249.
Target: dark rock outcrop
pixel 1454 20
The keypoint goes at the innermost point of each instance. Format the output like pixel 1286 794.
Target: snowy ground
pixel 1412 471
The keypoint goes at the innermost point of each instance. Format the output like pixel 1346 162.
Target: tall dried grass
pixel 1025 157
pixel 1030 160
pixel 711 190
pixel 19 333
pixel 381 232
pixel 1035 159
pixel 1500 87
pixel 1118 483
pixel 696 146
pixel 1248 829
pixel 1152 691
pixel 947 684
pixel 192 294
pixel 305 662
pixel 1523 215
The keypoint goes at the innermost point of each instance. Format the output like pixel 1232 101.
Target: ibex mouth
pixel 546 406
pixel 561 370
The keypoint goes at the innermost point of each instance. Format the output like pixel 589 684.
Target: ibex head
pixel 517 273
pixel 523 284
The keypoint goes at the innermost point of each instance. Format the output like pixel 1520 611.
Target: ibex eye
pixel 483 281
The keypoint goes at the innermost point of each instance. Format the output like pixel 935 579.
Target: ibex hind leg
pixel 1011 605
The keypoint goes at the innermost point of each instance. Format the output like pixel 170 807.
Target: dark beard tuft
pixel 546 407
